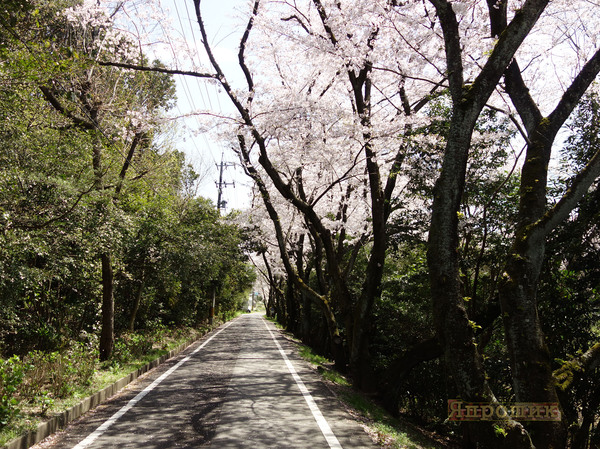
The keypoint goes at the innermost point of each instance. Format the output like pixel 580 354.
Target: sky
pixel 203 152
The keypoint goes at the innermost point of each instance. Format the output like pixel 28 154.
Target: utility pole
pixel 211 312
pixel 222 184
pixel 220 205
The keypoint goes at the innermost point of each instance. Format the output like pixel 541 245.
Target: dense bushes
pixel 39 378
pixel 38 383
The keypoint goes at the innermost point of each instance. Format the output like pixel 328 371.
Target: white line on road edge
pixel 106 425
pixel 312 405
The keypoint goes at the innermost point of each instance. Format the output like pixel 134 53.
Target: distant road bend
pixel 243 386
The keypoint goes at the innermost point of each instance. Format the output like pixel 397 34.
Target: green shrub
pixel 52 372
pixel 11 377
pixel 57 374
pixel 84 363
pixel 132 346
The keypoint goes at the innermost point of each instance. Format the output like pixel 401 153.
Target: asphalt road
pixel 242 386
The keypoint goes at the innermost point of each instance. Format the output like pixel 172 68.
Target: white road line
pixel 312 405
pixel 113 419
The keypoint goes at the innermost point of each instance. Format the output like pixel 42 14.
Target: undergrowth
pixel 40 384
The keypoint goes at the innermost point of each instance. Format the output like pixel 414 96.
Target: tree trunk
pixel 306 319
pixel 108 309
pixel 582 435
pixel 454 329
pixel 271 303
pixel 531 364
pixel 292 307
pixel 338 351
pixel 137 300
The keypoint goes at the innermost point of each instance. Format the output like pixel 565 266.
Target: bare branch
pixel 576 90
pixel 297 19
pixel 142 68
pixel 243 42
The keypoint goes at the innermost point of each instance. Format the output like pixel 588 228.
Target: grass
pixel 384 429
pixel 321 362
pixel 275 322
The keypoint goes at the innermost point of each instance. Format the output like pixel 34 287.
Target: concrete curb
pixel 60 420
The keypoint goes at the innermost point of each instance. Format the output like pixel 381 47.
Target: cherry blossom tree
pixel 532 380
pixel 530 360
pixel 338 142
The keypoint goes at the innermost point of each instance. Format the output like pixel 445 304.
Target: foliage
pixel 11 377
pixel 403 314
pixel 87 170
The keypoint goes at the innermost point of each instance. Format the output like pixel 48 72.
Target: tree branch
pixel 452 46
pixel 588 361
pixel 243 42
pixel 61 216
pixel 520 97
pixel 297 19
pixel 576 90
pixel 139 136
pixel 324 20
pixel 142 68
pixel 56 104
pixel 572 196
pixel 508 42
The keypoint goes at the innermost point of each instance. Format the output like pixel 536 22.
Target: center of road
pixel 246 387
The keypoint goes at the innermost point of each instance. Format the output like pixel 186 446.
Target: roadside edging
pixel 60 420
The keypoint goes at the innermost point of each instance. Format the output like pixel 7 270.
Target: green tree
pixel 96 114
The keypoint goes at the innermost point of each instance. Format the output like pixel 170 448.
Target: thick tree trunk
pixel 530 360
pixel 338 351
pixel 454 329
pixel 108 309
pixel 531 364
pixel 278 300
pixel 360 363
pixel 306 325
pixel 271 303
pixel 360 359
pixel 291 305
